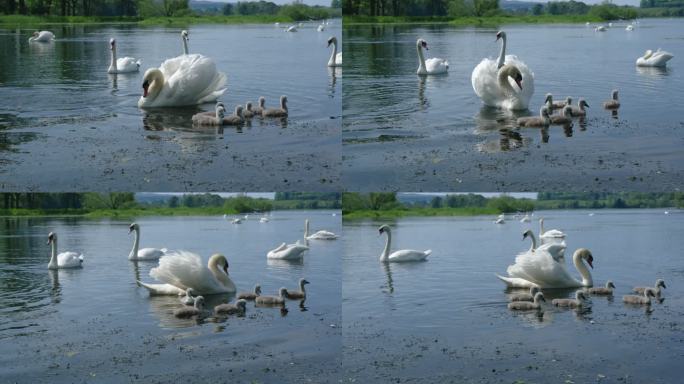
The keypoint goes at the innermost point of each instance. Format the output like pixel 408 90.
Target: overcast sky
pixel 308 2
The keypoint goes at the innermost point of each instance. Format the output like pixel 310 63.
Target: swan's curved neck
pixel 502 54
pixel 113 56
pixel 306 228
pixel 388 243
pixel 587 281
pixel 185 46
pixel 301 286
pixel 156 84
pixel 541 227
pixel 503 80
pixel 136 244
pixel 421 58
pixel 53 257
pixel 333 55
pixel 222 277
pixel 534 242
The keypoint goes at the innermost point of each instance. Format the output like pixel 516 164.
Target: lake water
pixel 96 323
pixel 446 320
pixel 405 132
pixel 60 109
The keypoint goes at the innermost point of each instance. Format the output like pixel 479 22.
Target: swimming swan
pixel 550 236
pixel 579 110
pixel 273 300
pixel 121 65
pixel 185 38
pixel 524 296
pixel 556 104
pixel 641 300
pixel 654 59
pixel 239 308
pixel 297 295
pixel 535 121
pixel 250 295
pixel 188 299
pixel 491 80
pixel 41 37
pixel 320 235
pixel 288 251
pixel 335 57
pixel 431 66
pixel 577 302
pixel 659 283
pixel 189 311
pixel 277 112
pixel 403 255
pixel 65 259
pixel 539 269
pixel 613 103
pixel 145 253
pixel 607 290
pixel 180 270
pixel 563 119
pixel 555 249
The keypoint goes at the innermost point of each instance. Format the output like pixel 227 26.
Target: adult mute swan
pixel 335 57
pixel 539 269
pixel 41 37
pixel 431 66
pixel 145 253
pixel 180 270
pixel 121 65
pixel 654 59
pixel 401 255
pixel 288 251
pixel 183 80
pixel 64 259
pixel 320 235
pixel 492 80
pixel 613 103
pixel 550 236
pixel 555 249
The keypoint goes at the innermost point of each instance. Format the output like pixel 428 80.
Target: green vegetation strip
pixel 472 20
pixel 21 20
pixel 425 212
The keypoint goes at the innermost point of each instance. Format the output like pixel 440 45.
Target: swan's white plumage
pixel 69 260
pixel 654 59
pixel 288 251
pixel 400 256
pixel 539 268
pixel 42 37
pixel 183 270
pixel 187 80
pixel 486 85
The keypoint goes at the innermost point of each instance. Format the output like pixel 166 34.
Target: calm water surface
pixel 60 109
pixel 442 137
pixel 96 322
pixel 448 316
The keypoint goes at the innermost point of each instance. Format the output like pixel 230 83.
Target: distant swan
pixel 539 269
pixel 320 235
pixel 535 121
pixel 432 66
pixel 121 65
pixel 288 251
pixel 555 249
pixel 181 270
pixel 401 255
pixel 613 103
pixel 550 236
pixel 41 37
pixel 654 59
pixel 335 57
pixel 277 112
pixel 145 253
pixel 181 81
pixel 65 259
pixel 491 80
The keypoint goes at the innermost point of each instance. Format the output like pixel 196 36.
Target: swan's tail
pixel 161 289
pixel 80 258
pixel 516 282
pixel 428 252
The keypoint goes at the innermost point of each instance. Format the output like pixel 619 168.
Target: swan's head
pixel 527 233
pixel 609 284
pixel 133 227
pixel 257 289
pixel 539 297
pixel 583 103
pixel 262 101
pixel 660 283
pixel 615 94
pixel 548 98
pixel 52 237
pixel 514 73
pixel 384 228
pixel 500 35
pixel 184 35
pixel 283 102
pixel 36 34
pixel 220 261
pixel 585 254
pixel 112 44
pixel 332 40
pixel 248 106
pixel 199 302
pixel 303 282
pixel 282 292
pixel 580 295
pixel 422 44
pixel 242 304
pixel 238 112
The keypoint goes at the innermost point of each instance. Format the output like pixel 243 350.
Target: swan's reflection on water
pixel 56 289
pixel 279 264
pixel 509 140
pixel 388 273
pixel 333 73
pixel 545 315
pixel 653 72
pixel 164 306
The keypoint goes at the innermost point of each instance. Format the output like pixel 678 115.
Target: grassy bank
pixel 131 212
pixel 20 20
pixel 423 212
pixel 472 21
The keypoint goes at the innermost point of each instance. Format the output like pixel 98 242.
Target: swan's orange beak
pixel 145 86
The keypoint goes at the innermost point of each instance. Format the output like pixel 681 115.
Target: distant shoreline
pixel 478 21
pixel 14 20
pixel 137 212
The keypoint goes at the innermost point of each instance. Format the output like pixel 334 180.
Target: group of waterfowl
pixel 193 306
pixel 659 58
pixel 219 118
pixel 567 111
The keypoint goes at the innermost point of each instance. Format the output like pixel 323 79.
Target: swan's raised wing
pixel 69 260
pixel 185 270
pixel 541 268
pixel 193 79
pixel 485 84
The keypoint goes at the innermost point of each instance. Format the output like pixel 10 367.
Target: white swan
pixel 180 270
pixel 654 59
pixel 291 28
pixel 264 220
pixel 183 80
pixel 288 251
pixel 185 38
pixel 335 57
pixel 431 66
pixel 236 221
pixel 145 253
pixel 629 28
pixel 525 219
pixel 64 259
pixel 321 28
pixel 555 249
pixel 320 235
pixel 41 37
pixel 550 236
pixel 539 269
pixel 401 255
pixel 121 65
pixel 492 80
